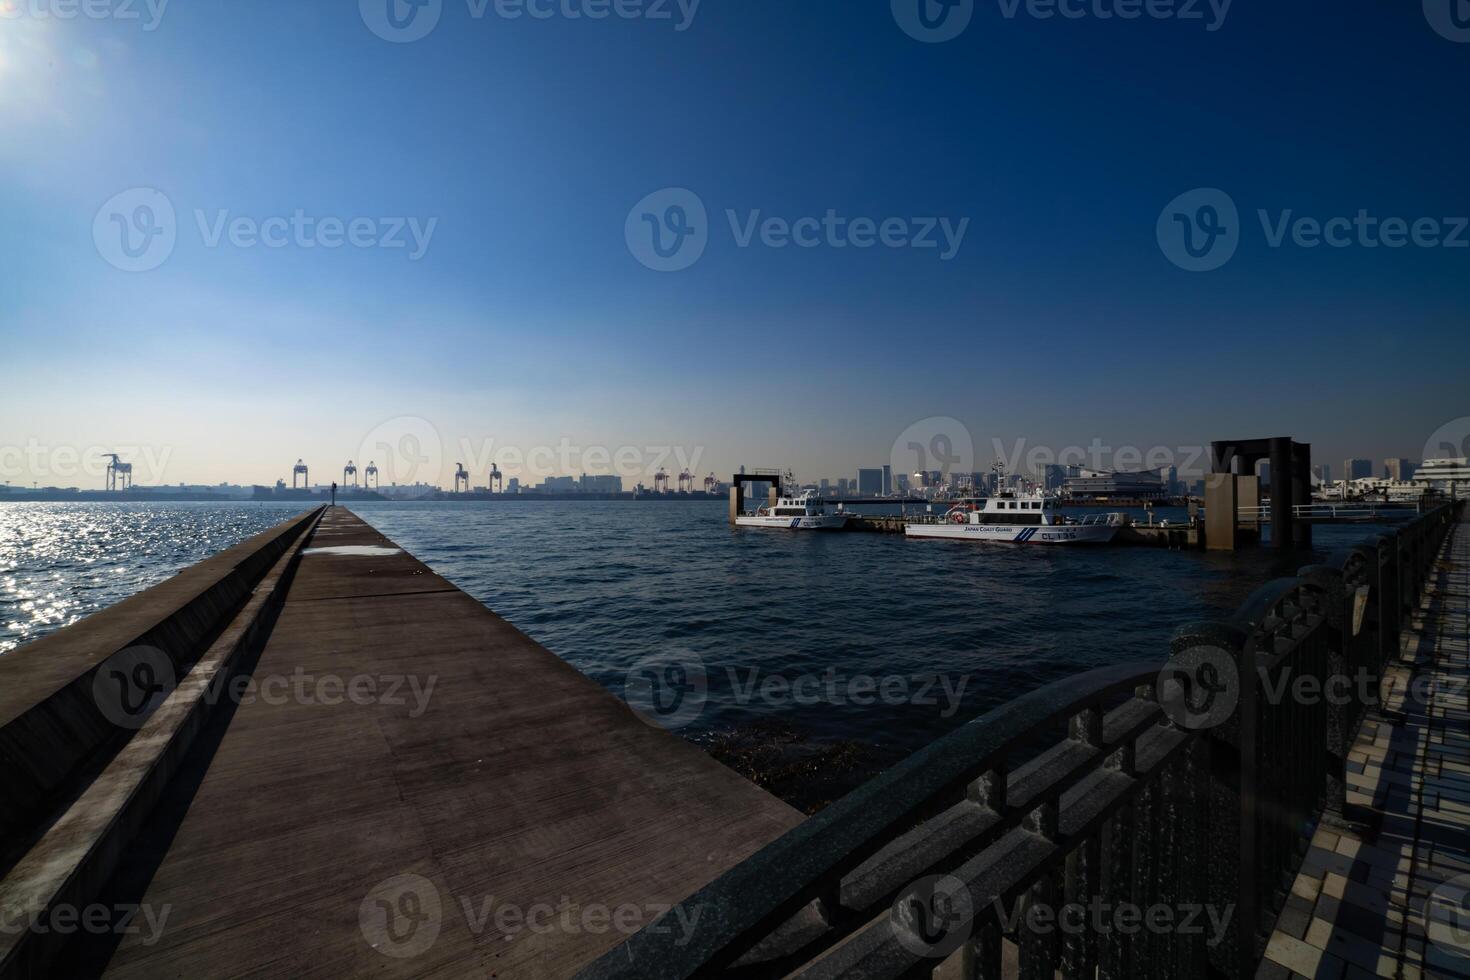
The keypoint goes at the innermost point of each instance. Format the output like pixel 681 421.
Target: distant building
pixel 514 486
pixel 1450 475
pixel 870 482
pixel 1054 477
pixel 1357 469
pixel 559 484
pixel 602 484
pixel 824 487
pixel 1145 485
pixel 887 480
pixel 1323 472
pixel 1398 469
pixel 902 482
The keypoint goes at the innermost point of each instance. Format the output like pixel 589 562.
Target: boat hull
pixel 820 522
pixel 1016 533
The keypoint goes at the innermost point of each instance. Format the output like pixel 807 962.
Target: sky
pixel 236 235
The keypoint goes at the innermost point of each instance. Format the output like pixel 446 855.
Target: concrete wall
pixel 52 731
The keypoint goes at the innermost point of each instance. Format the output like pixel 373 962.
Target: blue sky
pixel 520 145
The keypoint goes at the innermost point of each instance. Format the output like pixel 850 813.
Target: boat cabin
pixel 1007 507
pixel 808 504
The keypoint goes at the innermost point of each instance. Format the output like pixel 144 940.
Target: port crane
pixel 686 482
pixel 370 475
pixel 349 470
pixel 660 481
pixel 711 483
pixel 299 470
pixel 118 471
pixel 497 483
pixel 461 476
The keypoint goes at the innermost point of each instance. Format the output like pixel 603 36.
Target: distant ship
pixel 806 512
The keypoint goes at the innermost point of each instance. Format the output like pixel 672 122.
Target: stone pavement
pixel 1357 907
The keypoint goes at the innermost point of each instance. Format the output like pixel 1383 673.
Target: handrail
pixel 736 910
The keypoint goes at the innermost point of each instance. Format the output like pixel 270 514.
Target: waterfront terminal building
pixel 1100 484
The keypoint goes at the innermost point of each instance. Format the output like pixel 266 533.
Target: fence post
pixel 1338 686
pixel 1231 799
pixel 1387 589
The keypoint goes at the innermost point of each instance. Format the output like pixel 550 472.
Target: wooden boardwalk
pixel 1357 908
pixel 496 814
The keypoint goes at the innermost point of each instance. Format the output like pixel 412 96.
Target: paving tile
pixel 1410 767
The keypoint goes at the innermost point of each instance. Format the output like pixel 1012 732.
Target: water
pixel 60 562
pixel 608 584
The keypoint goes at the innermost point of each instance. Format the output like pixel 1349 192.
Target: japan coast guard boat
pixel 806 512
pixel 1015 516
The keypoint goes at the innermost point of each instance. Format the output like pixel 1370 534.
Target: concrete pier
pixel 409 787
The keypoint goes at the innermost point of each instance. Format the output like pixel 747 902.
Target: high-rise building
pixel 901 482
pixel 1357 469
pixel 1398 469
pixel 887 479
pixel 1323 472
pixel 1054 477
pixel 870 482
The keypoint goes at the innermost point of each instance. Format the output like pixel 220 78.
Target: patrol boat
pixel 1017 516
pixel 805 512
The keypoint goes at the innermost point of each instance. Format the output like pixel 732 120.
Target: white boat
pixel 1016 516
pixel 805 512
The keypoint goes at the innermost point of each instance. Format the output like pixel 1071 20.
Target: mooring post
pixel 1222 519
pixel 737 501
pixel 1283 528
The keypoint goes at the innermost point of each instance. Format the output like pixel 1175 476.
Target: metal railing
pixel 1191 783
pixel 1069 521
pixel 1358 510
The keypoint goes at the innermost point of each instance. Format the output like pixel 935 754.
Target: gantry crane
pixel 118 471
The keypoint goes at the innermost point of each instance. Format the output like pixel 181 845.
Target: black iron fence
pixel 1132 821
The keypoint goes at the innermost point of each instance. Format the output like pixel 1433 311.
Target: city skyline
pixel 423 461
